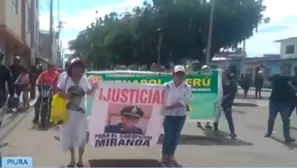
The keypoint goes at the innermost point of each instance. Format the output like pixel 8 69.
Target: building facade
pixel 44 48
pixel 18 27
pixel 288 48
pixel 269 63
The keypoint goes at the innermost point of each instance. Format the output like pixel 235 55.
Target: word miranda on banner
pixel 134 96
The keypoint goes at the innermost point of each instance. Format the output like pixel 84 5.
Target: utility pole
pixel 210 32
pixel 59 32
pixel 51 33
pixel 242 68
pixel 159 45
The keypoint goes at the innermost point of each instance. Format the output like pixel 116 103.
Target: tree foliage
pixel 179 27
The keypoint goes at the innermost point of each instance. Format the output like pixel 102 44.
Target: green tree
pixel 133 37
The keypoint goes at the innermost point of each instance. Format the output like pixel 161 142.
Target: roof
pixel 281 40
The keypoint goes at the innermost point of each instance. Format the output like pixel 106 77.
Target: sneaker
pixel 233 135
pixel 57 138
pixel 164 162
pixel 174 163
pixel 35 122
pixel 289 140
pixel 267 135
pixel 208 126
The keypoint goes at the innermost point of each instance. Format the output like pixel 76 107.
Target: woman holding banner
pixel 73 87
pixel 178 96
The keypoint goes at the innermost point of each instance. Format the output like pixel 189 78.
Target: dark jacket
pixel 229 93
pixel 6 78
pixel 259 81
pixel 246 81
pixel 15 71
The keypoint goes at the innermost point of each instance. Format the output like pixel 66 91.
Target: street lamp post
pixel 159 45
pixel 210 32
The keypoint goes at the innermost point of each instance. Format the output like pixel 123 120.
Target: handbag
pixel 59 111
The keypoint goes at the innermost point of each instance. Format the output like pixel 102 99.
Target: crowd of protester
pixel 283 100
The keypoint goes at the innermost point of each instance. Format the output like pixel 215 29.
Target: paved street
pixel 251 94
pixel 198 148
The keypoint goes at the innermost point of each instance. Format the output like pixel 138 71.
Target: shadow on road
pixel 210 138
pixel 238 111
pixel 291 146
pixel 4 145
pixel 252 97
pixel 124 163
pixel 294 128
pixel 224 138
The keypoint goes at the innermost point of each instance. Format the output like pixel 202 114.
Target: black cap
pixel 132 111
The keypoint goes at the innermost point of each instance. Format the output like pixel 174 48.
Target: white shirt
pixel 61 76
pixel 66 82
pixel 181 94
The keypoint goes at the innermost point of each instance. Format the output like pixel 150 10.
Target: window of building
pixel 15 4
pixel 290 49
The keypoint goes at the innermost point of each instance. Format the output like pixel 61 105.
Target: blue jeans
pixel 173 126
pixel 284 110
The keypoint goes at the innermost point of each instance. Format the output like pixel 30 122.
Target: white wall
pixel 284 43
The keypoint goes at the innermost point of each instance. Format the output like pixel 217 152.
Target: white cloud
pixel 282 14
pixel 80 20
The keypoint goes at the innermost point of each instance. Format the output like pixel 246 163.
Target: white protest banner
pixel 126 114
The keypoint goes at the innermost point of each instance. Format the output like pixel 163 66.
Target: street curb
pixel 245 104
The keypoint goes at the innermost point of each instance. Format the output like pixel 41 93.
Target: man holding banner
pixel 178 96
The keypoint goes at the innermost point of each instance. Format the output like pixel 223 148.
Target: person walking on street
pixel 47 77
pixel 246 82
pixel 259 81
pixel 229 92
pixel 294 100
pixel 280 101
pixel 23 83
pixel 73 132
pixel 178 99
pixel 5 79
pixel 16 69
pixel 34 73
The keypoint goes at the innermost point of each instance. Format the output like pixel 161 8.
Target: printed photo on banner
pixel 126 114
pixel 127 118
